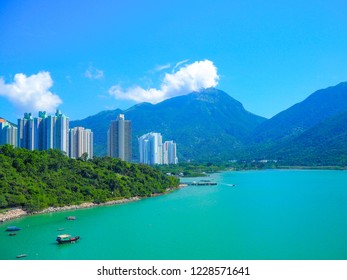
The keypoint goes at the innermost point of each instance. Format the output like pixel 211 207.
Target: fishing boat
pixel 13 228
pixel 66 238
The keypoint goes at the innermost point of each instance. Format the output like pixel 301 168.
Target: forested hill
pixel 205 124
pixel 35 180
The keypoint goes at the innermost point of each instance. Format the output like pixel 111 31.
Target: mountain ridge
pixel 211 125
pixel 194 121
pixel 320 105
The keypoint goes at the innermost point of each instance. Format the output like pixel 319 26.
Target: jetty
pixel 200 183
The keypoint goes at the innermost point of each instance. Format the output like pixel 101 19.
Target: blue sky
pixel 88 56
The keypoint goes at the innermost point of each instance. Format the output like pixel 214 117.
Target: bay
pixel 267 215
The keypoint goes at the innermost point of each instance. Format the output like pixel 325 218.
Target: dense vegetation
pixel 35 180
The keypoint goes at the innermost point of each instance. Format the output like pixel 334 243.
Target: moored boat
pixel 66 238
pixel 13 228
pixel 12 234
pixel 71 218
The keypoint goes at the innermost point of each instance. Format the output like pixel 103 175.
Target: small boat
pixel 66 238
pixel 71 218
pixel 12 234
pixel 21 256
pixel 13 228
pixel 60 229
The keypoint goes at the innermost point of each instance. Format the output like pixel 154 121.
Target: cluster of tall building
pixel 52 132
pixel 152 150
pixel 48 132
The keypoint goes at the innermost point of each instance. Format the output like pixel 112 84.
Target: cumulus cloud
pixel 191 77
pixel 31 93
pixel 94 73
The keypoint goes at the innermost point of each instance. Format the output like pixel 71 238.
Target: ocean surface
pixel 267 215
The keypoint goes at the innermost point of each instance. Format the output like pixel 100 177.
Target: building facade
pixel 119 139
pixel 8 133
pixel 152 150
pixel 52 132
pixel 26 132
pixel 81 141
pixel 169 153
pixel 44 132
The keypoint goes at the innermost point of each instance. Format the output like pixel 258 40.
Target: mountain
pixel 312 132
pixel 323 144
pixel 205 124
pixel 318 107
pixel 211 125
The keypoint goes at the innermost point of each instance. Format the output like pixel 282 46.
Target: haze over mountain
pixel 204 124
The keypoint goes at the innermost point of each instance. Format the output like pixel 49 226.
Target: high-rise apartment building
pixel 8 133
pixel 119 139
pixel 26 132
pixel 151 148
pixel 61 132
pixel 81 141
pixel 44 132
pixel 152 151
pixel 169 153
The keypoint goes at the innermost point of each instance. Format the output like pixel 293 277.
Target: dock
pixel 201 183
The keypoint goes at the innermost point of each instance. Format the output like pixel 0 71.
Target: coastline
pixel 18 212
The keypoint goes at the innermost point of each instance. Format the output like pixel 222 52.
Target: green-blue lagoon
pixel 267 215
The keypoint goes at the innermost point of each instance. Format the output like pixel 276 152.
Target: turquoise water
pixel 271 214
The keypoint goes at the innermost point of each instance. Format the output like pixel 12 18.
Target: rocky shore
pixel 12 214
pixel 17 213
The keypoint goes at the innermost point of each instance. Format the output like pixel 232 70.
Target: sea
pixel 248 215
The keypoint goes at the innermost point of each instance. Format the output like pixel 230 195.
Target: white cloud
pixel 31 93
pixel 179 63
pixel 191 77
pixel 159 68
pixel 94 73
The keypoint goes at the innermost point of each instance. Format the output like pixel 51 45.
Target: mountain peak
pixel 201 119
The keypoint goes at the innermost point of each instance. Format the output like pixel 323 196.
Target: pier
pixel 200 183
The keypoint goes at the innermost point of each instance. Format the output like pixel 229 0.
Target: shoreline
pixel 18 212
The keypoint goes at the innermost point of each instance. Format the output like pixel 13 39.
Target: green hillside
pixel 36 180
pixel 206 124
